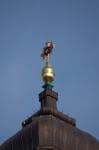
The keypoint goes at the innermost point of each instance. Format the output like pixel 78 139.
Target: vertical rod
pixel 48 59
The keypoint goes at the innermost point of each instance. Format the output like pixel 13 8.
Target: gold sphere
pixel 48 74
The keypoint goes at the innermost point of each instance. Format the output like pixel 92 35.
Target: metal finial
pixel 48 74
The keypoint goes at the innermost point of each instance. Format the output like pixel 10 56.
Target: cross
pixel 47 50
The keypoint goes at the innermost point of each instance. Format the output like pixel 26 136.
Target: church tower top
pixel 48 128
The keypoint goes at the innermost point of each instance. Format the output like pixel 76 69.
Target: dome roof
pixel 49 129
pixel 49 132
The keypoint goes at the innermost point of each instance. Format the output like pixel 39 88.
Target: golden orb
pixel 48 74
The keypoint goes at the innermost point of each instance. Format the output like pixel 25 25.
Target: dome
pixel 49 129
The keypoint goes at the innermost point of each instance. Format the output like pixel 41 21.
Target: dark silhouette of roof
pixel 49 129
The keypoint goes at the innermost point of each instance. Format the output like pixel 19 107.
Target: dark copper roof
pixel 49 129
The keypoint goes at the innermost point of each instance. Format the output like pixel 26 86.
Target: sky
pixel 25 26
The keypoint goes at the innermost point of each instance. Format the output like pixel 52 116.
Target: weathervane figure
pixel 48 74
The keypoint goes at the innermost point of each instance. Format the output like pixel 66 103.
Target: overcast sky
pixel 25 25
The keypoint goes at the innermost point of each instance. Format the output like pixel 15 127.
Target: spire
pixel 48 97
pixel 48 74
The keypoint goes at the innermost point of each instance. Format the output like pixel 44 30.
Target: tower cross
pixel 47 50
